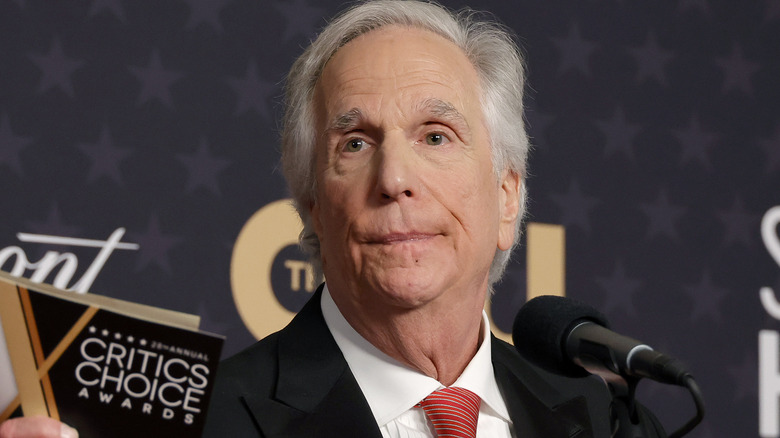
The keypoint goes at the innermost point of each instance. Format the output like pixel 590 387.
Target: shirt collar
pixel 390 387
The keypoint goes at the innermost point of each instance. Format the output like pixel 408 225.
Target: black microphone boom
pixel 572 339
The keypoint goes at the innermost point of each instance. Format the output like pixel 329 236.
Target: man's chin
pixel 408 289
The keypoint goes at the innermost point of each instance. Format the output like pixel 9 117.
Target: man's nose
pixel 396 175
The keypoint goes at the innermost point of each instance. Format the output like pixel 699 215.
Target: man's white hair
pixel 488 45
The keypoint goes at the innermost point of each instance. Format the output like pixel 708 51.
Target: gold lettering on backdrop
pixel 277 226
pixel 268 231
pixel 546 260
pixel 298 268
pixel 545 266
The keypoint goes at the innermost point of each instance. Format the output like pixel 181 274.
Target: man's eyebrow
pixel 346 121
pixel 443 109
pixel 433 106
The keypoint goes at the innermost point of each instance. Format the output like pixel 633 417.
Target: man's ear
pixel 509 208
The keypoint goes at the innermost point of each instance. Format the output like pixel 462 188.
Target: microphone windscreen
pixel 542 326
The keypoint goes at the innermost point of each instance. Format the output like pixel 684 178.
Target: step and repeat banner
pixel 139 160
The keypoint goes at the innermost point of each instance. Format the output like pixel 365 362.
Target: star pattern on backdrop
pixel 252 93
pixel 771 148
pixel 619 135
pixel 538 123
pixel 300 17
pixel 651 60
pixel 737 71
pixel 105 157
pixel 205 12
pixel 772 11
pixel 656 129
pixel 745 378
pixel 619 290
pixel 699 6
pixel 203 169
pixel 574 51
pixel 156 81
pixel 155 246
pixel 575 207
pixel 11 146
pixel 663 217
pixel 695 142
pixel 706 297
pixel 53 225
pixel 110 7
pixel 56 69
pixel 739 225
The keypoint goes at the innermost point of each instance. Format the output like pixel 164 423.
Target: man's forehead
pixel 414 70
pixel 393 51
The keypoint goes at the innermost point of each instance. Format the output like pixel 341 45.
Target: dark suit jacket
pixel 296 383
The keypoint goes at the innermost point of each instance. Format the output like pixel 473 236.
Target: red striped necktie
pixel 453 412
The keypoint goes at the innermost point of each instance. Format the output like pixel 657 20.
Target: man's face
pixel 409 209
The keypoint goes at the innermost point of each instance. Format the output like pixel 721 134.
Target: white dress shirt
pixel 392 389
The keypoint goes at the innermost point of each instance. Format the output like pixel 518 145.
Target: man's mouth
pixel 396 238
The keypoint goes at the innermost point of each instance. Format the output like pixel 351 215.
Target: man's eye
pixel 355 145
pixel 435 139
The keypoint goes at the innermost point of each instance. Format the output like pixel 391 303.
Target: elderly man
pixel 405 151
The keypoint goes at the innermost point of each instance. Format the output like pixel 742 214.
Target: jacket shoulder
pixel 589 397
pixel 255 367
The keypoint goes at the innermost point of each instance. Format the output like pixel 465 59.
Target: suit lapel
pixel 537 409
pixel 316 393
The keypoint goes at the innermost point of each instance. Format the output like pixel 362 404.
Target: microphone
pixel 573 339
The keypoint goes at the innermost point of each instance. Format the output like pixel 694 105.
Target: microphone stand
pixel 632 420
pixel 629 419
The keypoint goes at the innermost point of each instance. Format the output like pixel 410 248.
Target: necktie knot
pixel 453 412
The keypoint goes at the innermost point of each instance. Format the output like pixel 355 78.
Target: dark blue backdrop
pixel 656 128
